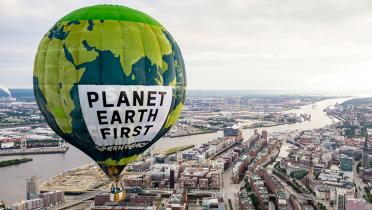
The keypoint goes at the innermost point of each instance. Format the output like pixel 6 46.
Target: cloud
pixel 245 44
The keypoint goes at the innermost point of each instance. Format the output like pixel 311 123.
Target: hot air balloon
pixel 111 81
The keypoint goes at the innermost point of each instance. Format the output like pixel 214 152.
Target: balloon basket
pixel 117 192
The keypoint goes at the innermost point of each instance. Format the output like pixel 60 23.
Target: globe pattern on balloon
pixel 104 45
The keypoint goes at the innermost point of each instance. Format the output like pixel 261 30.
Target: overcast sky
pixel 241 44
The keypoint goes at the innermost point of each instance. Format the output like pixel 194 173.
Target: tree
pixel 255 202
pixel 358 166
pixel 332 203
pixel 321 206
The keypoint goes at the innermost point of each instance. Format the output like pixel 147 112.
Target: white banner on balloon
pixel 124 114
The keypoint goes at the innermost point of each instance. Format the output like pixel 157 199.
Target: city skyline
pixel 259 45
pixel 269 105
pixel 209 153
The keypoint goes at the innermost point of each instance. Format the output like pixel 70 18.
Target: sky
pixel 242 44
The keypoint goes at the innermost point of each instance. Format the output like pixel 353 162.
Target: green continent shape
pixel 56 76
pixel 129 41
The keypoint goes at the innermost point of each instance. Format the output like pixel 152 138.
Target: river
pixel 13 178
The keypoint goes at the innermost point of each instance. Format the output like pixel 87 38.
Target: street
pixel 359 185
pixel 230 190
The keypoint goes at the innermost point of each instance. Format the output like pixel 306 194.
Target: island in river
pixel 12 162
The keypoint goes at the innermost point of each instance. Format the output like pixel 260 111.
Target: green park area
pixel 177 149
pixel 6 163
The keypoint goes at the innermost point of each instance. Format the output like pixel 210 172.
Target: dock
pixel 33 151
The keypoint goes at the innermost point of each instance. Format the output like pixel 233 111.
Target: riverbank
pixel 244 127
pixel 12 162
pixel 50 165
pixel 177 149
pixel 267 126
pixel 191 134
pixel 33 151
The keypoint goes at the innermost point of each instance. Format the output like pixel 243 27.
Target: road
pixel 358 182
pixel 360 185
pixel 229 189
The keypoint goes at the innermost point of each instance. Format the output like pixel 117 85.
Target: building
pixel 366 174
pixel 340 202
pixel 365 161
pixel 176 202
pixel 310 175
pixel 137 180
pixel 238 171
pixel 44 200
pixel 323 192
pixel 275 187
pixel 259 189
pixel 123 207
pixel 52 198
pixel 336 178
pixel 234 132
pixel 346 163
pixel 326 158
pixel 28 204
pixel 141 166
pixel 294 203
pixel 32 188
pixel 101 199
pixel 245 202
pixel 355 204
pixel 171 178
pixel 264 135
pixel 213 203
pixel 200 177
pixel 133 201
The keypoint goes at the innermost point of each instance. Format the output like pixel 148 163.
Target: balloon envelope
pixel 111 81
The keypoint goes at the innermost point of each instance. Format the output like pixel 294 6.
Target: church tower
pixel 310 176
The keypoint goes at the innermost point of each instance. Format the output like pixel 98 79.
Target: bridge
pixel 300 196
pixel 223 150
